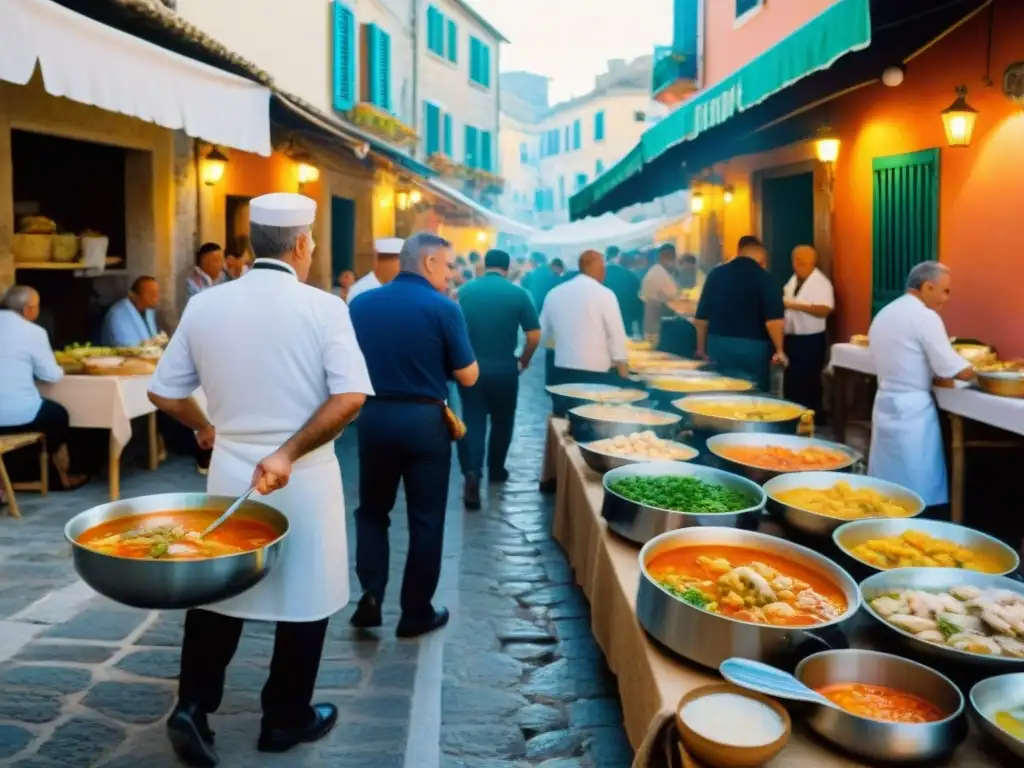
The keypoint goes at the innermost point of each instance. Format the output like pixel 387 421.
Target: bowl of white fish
pixel 614 452
pixel 950 613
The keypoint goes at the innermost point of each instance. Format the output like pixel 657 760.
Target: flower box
pixel 381 123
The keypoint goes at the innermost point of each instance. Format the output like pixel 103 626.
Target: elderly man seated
pixel 25 358
pixel 131 322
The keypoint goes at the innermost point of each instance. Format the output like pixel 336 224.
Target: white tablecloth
pixel 853 358
pixel 102 402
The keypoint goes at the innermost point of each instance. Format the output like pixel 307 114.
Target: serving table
pixel 651 682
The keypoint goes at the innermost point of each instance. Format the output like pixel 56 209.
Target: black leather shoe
pixel 409 628
pixel 191 737
pixel 323 719
pixel 471 492
pixel 367 614
pixel 497 475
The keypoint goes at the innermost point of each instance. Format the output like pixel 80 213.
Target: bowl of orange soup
pixel 146 552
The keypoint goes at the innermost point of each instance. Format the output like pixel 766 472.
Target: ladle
pixel 228 512
pixel 755 676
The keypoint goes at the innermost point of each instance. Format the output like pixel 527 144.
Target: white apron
pixel 310 580
pixel 906 444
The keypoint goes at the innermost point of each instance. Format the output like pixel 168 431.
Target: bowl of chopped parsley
pixel 642 501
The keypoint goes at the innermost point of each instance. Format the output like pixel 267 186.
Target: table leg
pixel 840 387
pixel 154 442
pixel 959 470
pixel 114 468
pixel 8 486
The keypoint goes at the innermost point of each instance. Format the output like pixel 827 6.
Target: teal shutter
pixel 485 71
pixel 453 42
pixel 479 62
pixel 599 168
pixel 344 57
pixel 448 135
pixel 472 145
pixel 371 84
pixel 384 64
pixel 906 220
pixel 486 152
pixel 581 181
pixel 474 58
pixel 435 30
pixel 577 134
pixel 432 115
pixel 599 126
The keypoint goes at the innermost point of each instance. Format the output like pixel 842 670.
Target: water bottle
pixel 777 377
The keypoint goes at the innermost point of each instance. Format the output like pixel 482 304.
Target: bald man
pixel 582 317
pixel 809 299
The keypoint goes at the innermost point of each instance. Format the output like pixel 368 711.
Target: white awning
pixel 91 63
pixel 499 221
pixel 600 232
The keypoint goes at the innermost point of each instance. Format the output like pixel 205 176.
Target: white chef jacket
pixel 658 285
pixel 298 348
pixel 909 346
pixel 25 357
pixel 817 289
pixel 582 317
pixel 365 283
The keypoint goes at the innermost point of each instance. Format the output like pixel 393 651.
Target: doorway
pixel 787 219
pixel 343 236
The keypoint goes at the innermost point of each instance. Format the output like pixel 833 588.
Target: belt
pixel 408 399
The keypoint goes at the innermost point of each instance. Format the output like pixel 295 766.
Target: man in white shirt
pixel 582 317
pixel 385 267
pixel 278 397
pixel 809 299
pixel 657 289
pixel 912 352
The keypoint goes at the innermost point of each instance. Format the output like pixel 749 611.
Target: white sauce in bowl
pixel 733 719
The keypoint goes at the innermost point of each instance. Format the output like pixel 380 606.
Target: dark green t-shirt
pixel 495 310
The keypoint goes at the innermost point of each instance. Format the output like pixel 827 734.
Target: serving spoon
pixel 755 676
pixel 228 512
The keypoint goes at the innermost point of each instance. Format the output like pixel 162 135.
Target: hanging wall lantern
pixel 214 165
pixel 728 194
pixel 826 145
pixel 958 119
pixel 696 202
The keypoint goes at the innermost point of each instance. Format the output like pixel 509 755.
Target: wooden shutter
pixel 432 115
pixel 472 144
pixel 599 126
pixel 344 57
pixel 435 30
pixel 485 65
pixel 906 220
pixel 384 57
pixel 453 42
pixel 577 134
pixel 474 59
pixel 486 153
pixel 448 135
pixel 368 71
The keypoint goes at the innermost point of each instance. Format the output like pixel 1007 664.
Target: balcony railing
pixel 675 76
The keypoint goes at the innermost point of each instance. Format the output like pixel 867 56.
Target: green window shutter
pixel 599 126
pixel 453 42
pixel 448 135
pixel 435 30
pixel 432 116
pixel 581 181
pixel 384 63
pixel 598 168
pixel 906 220
pixel 479 62
pixel 344 57
pixel 485 78
pixel 472 147
pixel 577 134
pixel 486 151
pixel 371 78
pixel 474 58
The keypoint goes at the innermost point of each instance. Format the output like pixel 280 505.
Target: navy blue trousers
pixel 492 397
pixel 405 443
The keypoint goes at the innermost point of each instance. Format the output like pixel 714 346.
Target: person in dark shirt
pixel 740 318
pixel 414 339
pixel 626 287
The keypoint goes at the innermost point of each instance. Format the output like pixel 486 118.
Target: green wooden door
pixel 787 220
pixel 343 236
pixel 906 220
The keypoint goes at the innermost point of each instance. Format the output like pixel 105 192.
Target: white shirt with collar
pixel 816 289
pixel 582 317
pixel 658 285
pixel 25 357
pixel 365 283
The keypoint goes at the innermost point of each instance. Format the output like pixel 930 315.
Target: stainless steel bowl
pixel 876 739
pixel 821 525
pixel 640 523
pixel 173 584
pixel 585 429
pixel 709 638
pixel 995 695
pixel 677 367
pixel 665 395
pixel 762 439
pixel 718 424
pixel 562 401
pixel 1002 383
pixel 602 462
pixel 937 580
pixel 850 535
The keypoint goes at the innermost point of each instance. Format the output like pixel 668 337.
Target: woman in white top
pixel 25 358
pixel 809 300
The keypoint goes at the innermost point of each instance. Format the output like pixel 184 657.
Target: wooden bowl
pixel 720 755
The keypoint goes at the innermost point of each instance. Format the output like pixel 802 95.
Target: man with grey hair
pixel 415 340
pixel 912 352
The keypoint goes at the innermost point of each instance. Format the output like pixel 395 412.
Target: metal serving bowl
pixel 585 429
pixel 708 638
pixel 173 584
pixel 850 535
pixel 717 443
pixel 637 359
pixel 937 580
pixel 562 399
pixel 876 739
pixel 678 367
pixel 602 462
pixel 666 395
pixel 995 695
pixel 1002 383
pixel 719 424
pixel 821 525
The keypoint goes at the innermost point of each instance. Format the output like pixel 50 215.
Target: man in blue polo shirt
pixel 414 339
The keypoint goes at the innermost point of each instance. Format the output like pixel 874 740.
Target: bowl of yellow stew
pixel 819 502
pixel 884 544
pixel 738 412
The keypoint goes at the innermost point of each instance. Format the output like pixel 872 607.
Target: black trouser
pixel 53 421
pixel 181 439
pixel 211 640
pixel 402 442
pixel 493 396
pixel 807 356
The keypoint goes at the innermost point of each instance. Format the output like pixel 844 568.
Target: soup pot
pixel 174 584
pixel 585 429
pixel 709 638
pixel 563 400
pixel 717 444
pixel 718 424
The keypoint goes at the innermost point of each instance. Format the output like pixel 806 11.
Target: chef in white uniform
pixel 385 267
pixel 658 287
pixel 277 399
pixel 912 352
pixel 809 299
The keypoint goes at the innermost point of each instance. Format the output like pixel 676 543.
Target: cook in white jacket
pixel 809 300
pixel 912 352
pixel 278 397
pixel 385 267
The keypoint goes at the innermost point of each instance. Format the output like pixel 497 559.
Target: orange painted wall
pixel 981 190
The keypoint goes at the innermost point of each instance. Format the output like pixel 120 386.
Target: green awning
pixel 628 166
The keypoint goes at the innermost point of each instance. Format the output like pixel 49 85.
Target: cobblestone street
pixel 516 680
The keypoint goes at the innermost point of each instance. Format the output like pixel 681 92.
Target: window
pixel 486 151
pixel 577 134
pixel 568 139
pixel 640 116
pixel 581 181
pixel 538 199
pixel 448 150
pixel 432 119
pixel 453 42
pixel 549 143
pixel 344 57
pixel 377 66
pixel 599 126
pixel 472 147
pixel 906 220
pixel 743 7
pixel 598 168
pixel 479 62
pixel 524 153
pixel 435 31
pixel 561 191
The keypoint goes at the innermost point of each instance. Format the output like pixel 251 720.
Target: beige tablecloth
pixel 102 402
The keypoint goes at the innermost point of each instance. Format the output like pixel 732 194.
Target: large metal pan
pixel 1002 383
pixel 585 429
pixel 708 638
pixel 997 694
pixel 718 424
pixel 640 523
pixel 563 400
pixel 173 584
pixel 602 462
pixel 821 525
pixel 702 383
pixel 717 443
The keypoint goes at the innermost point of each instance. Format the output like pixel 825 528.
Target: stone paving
pixel 517 676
